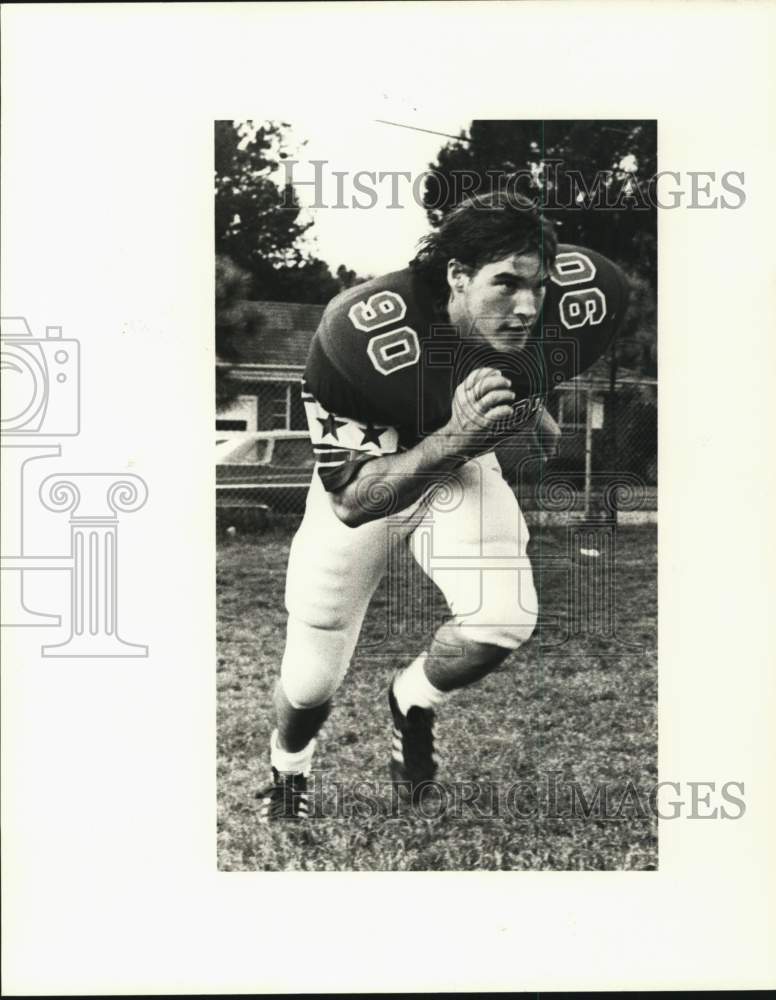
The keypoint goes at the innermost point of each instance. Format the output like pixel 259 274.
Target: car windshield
pixel 295 452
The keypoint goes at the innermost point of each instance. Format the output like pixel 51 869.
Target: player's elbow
pixel 364 499
pixel 347 512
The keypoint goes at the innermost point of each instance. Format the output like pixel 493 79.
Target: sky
pixel 375 239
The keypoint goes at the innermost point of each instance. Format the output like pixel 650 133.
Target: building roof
pixel 597 375
pixel 281 335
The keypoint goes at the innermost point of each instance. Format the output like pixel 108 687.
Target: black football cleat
pixel 285 798
pixel 413 762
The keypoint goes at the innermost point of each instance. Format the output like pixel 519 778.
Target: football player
pixel 412 380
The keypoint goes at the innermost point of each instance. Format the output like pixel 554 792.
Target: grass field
pixel 566 715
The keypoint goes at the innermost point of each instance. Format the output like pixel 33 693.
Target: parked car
pixel 270 469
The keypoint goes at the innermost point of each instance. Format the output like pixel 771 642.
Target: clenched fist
pixel 482 406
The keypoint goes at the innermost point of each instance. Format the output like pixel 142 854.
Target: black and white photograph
pixel 436 496
pixel 386 553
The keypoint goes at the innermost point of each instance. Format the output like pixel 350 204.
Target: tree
pixel 637 339
pixel 348 278
pixel 259 248
pixel 593 178
pixel 257 222
pixel 233 320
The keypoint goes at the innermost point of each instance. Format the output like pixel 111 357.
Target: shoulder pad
pixel 584 307
pixel 371 333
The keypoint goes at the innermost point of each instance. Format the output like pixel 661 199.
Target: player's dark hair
pixel 482 229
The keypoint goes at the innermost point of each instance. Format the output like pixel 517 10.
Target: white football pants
pixel 469 536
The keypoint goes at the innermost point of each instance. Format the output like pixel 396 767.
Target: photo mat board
pixel 111 880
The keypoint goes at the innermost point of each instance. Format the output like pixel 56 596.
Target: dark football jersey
pixel 384 360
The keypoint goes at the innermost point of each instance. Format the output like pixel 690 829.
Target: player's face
pixel 501 301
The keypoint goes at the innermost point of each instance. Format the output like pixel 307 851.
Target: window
pixel 298 415
pixel 240 415
pixel 273 398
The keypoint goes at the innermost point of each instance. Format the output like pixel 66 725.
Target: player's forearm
pixel 392 482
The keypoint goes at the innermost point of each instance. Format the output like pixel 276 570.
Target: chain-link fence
pixel 606 464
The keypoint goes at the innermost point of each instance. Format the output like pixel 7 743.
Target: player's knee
pixel 505 625
pixel 498 634
pixel 314 663
pixel 306 690
pixel 311 682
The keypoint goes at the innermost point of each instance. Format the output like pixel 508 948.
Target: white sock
pixel 412 687
pixel 300 762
